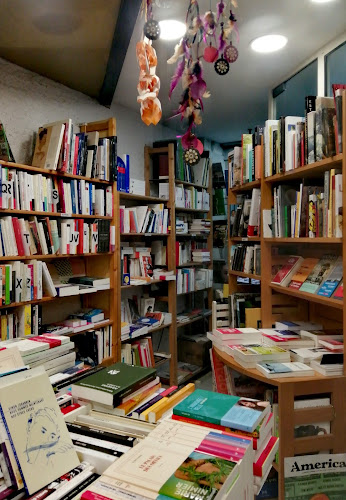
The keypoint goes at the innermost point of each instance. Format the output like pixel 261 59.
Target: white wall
pixel 28 100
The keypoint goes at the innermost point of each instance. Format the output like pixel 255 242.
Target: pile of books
pixel 310 211
pixel 201 255
pixel 245 162
pixel 51 194
pixel 245 215
pixel 319 276
pixel 61 146
pixel 144 219
pixel 246 258
pixel 190 197
pixel 199 226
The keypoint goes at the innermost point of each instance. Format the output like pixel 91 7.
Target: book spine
pixel 100 434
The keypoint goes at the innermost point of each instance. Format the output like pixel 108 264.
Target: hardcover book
pixel 230 411
pixel 303 272
pixel 329 286
pixel 36 429
pixel 112 384
pixel 318 274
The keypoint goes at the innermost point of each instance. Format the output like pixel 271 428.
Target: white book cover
pixel 290 130
pixel 36 428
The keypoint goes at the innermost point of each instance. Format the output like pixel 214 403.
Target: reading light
pixel 268 43
pixel 171 29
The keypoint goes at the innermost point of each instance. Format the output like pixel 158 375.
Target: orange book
pixel 303 272
pixel 258 162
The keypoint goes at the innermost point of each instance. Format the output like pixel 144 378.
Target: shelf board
pixel 139 197
pixel 246 187
pixel 157 151
pixel 312 297
pixel 193 264
pixel 192 376
pixel 312 170
pixel 194 291
pixel 53 214
pixel 192 184
pixel 154 330
pixel 193 320
pixel 192 235
pixel 145 235
pixel 328 241
pixel 194 210
pixel 162 361
pixel 50 256
pixel 245 275
pixel 54 173
pixel 151 282
pixel 90 327
pixel 245 239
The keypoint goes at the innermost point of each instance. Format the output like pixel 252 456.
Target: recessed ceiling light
pixel 171 29
pixel 321 1
pixel 268 43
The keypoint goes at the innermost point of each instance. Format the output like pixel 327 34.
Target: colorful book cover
pixel 221 409
pixel 318 274
pixel 330 284
pixel 339 294
pixel 199 476
pixel 303 272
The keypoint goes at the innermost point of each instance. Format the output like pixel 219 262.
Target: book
pixel 283 277
pixel 250 355
pixel 303 272
pixel 48 145
pixel 36 428
pixel 318 334
pixel 276 370
pixel 112 384
pixel 318 274
pixel 230 411
pixel 332 281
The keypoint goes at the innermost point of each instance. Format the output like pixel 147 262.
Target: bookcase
pixel 286 303
pixel 167 292
pixel 95 264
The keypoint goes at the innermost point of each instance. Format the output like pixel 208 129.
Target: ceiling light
pixel 171 29
pixel 268 43
pixel 321 1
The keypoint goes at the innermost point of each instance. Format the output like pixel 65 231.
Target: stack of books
pixel 61 146
pixel 245 216
pixel 246 258
pixel 144 219
pixel 224 337
pixel 245 162
pixel 201 255
pixel 199 226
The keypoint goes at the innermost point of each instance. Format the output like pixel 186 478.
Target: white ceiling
pixel 239 100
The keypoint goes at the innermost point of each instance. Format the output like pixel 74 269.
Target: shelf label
pixel 66 215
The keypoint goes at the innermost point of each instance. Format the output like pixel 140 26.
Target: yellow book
pixel 145 413
pixel 129 405
pixel 298 211
pixel 156 414
pixel 330 203
pixel 4 327
pixel 24 316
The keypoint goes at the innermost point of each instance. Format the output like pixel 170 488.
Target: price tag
pixel 66 215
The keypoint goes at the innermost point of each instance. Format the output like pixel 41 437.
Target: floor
pixel 205 382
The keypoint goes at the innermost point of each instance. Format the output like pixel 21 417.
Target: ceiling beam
pixel 125 24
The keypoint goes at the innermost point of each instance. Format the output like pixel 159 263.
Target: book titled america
pixel 110 385
pixel 243 414
pixel 36 429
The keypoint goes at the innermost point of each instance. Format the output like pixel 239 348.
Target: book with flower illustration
pixel 200 476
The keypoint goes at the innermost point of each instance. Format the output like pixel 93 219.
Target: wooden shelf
pixel 327 241
pixel 152 282
pixel 154 330
pixel 145 235
pixel 50 256
pixel 37 301
pixel 157 151
pixel 91 327
pixel 313 170
pixel 193 320
pixel 192 235
pixel 245 275
pixel 193 210
pixel 193 264
pixel 139 197
pixel 194 291
pixel 53 214
pixel 246 187
pixel 312 297
pixel 275 466
pixel 245 239
pixel 192 184
pixel 54 173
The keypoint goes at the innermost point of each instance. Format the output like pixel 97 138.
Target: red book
pixel 133 228
pixel 18 236
pixel 62 195
pixel 339 294
pixel 177 248
pixel 266 457
pixel 81 236
pixel 75 154
pixel 52 342
pixel 69 408
pixel 34 233
pixel 283 277
pixel 49 232
pixel 219 373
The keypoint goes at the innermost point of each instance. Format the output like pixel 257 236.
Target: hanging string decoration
pixel 149 83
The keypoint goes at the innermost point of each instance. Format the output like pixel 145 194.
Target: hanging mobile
pixel 231 53
pixel 221 66
pixel 152 29
pixel 191 156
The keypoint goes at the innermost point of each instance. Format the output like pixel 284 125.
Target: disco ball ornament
pixel 221 66
pixel 191 156
pixel 231 53
pixel 152 29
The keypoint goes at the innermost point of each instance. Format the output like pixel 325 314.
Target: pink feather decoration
pixel 197 89
pixel 177 76
pixel 220 8
pixel 222 43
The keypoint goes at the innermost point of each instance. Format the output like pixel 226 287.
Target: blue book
pixel 329 286
pixel 123 178
pixel 91 188
pixel 73 198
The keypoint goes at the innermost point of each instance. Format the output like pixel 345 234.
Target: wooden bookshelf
pixel 245 275
pixel 284 303
pixel 96 264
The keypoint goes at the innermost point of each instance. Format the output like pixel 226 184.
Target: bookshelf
pixel 96 264
pixel 174 299
pixel 279 302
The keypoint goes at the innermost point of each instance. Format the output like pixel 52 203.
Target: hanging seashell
pixel 231 53
pixel 221 66
pixel 152 29
pixel 191 156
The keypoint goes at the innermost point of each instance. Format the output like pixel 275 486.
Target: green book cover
pixel 110 385
pixel 8 279
pixel 200 476
pixel 222 409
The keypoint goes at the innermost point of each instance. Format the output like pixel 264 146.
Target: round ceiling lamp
pixel 268 43
pixel 172 29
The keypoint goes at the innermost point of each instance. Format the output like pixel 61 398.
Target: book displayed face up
pixel 36 429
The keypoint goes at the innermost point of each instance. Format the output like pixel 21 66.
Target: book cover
pixel 112 384
pixel 339 294
pixel 302 273
pixel 294 369
pixel 200 474
pixel 36 429
pixel 283 277
pixel 330 284
pixel 318 274
pixel 230 411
